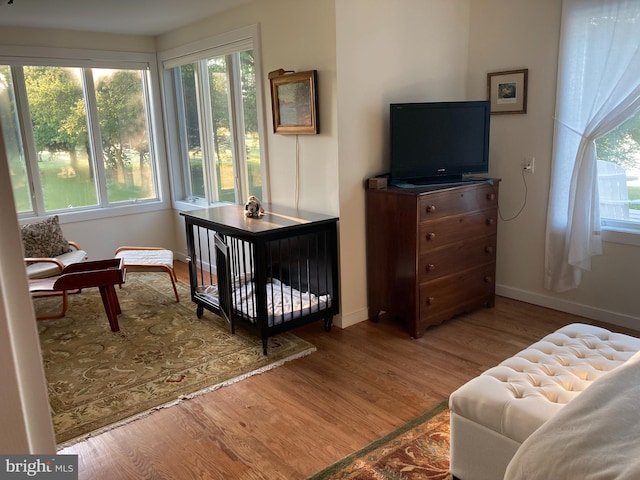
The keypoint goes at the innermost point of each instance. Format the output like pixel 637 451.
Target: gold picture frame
pixel 294 99
pixel 507 91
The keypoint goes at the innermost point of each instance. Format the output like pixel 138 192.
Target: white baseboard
pixel 623 320
pixel 344 321
pixel 587 311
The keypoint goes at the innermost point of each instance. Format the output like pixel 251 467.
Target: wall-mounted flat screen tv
pixel 439 141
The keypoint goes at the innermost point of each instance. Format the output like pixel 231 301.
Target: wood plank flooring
pixel 288 423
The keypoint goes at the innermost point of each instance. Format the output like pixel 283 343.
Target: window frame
pixel 620 232
pixel 74 58
pixel 228 43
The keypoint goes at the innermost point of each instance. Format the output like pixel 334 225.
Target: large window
pixel 77 138
pixel 214 124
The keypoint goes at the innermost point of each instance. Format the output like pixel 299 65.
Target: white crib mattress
pixel 284 303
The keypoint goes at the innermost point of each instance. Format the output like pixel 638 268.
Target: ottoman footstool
pixel 492 414
pixel 149 259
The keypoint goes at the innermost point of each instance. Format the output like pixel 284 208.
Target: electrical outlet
pixel 529 164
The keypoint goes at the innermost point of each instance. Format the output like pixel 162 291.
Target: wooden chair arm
pixel 74 245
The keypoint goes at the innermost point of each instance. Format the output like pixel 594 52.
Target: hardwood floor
pixel 288 423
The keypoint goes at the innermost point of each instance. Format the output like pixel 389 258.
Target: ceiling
pixel 141 17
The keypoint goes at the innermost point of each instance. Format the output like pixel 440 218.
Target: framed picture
pixel 294 102
pixel 507 91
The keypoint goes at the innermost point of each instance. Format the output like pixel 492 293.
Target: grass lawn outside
pixel 66 186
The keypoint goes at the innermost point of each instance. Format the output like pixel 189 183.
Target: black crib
pixel 272 273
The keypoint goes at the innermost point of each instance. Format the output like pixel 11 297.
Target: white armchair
pixel 47 252
pixel 43 267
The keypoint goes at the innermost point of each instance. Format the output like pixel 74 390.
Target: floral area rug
pixel 163 353
pixel 417 450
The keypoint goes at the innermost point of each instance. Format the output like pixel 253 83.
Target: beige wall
pixel 295 35
pixel 386 54
pixel 101 237
pixel 508 35
pixel 42 37
pixel 505 35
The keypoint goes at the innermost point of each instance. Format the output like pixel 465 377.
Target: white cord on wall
pixel 297 173
pixel 524 202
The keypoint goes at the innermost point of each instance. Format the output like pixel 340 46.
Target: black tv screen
pixel 440 141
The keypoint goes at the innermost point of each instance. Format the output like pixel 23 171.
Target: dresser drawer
pixel 439 233
pixel 451 293
pixel 457 201
pixel 456 257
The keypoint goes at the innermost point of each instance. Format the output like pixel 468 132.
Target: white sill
pixel 621 235
pixel 80 215
pixel 185 206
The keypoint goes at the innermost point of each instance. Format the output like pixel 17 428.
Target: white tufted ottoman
pixel 492 414
pixel 149 259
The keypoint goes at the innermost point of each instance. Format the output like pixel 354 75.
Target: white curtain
pixel 598 89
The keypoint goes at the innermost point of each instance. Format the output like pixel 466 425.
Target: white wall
pixel 42 37
pixel 508 35
pixel 514 34
pixel 295 35
pixel 388 52
pixel 442 50
pixel 100 237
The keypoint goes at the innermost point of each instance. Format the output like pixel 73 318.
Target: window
pixel 598 91
pixel 77 137
pixel 214 125
pixel 619 175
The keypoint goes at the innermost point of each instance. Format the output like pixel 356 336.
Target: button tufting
pixel 552 371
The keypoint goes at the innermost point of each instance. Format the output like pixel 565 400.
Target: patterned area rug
pixel 162 354
pixel 417 450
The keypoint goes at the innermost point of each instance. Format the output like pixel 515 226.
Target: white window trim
pixel 19 55
pixel 222 44
pixel 617 234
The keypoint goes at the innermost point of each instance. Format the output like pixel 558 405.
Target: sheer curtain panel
pixel 598 89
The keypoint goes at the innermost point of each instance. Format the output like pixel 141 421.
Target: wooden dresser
pixel 431 252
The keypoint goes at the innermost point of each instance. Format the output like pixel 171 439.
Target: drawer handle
pixel 488 249
pixel 491 196
pixel 490 221
pixel 431 236
pixel 488 279
pixel 431 208
pixel 431 267
pixel 430 301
